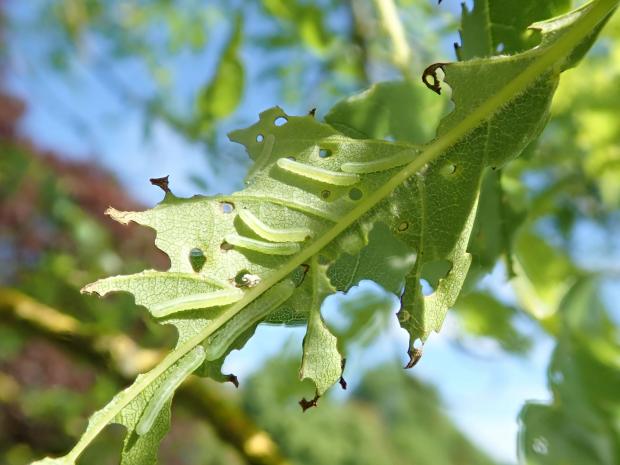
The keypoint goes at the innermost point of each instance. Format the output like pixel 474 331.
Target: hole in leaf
pixel 291 158
pixel 280 121
pixel 260 138
pixel 325 153
pixel 435 270
pixel 448 169
pixel 227 207
pixel 325 194
pixel 427 289
pixel 402 227
pixel 500 47
pixel 355 194
pixel 197 259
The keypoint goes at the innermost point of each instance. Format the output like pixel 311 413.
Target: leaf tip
pixel 415 354
pixel 233 379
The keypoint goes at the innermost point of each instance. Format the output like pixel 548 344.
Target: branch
pixel 401 54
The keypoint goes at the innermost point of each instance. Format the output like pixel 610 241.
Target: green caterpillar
pixel 191 302
pixel 272 234
pixel 218 343
pixel 269 248
pixel 185 367
pixel 336 178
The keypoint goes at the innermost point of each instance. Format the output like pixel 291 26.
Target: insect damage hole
pixel 260 138
pixel 325 153
pixel 227 207
pixel 427 289
pixel 355 194
pixel 197 259
pixel 403 226
pixel 448 169
pixel 280 121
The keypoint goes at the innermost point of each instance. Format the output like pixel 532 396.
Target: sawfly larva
pixel 272 234
pixel 268 248
pixel 185 367
pixel 220 341
pixel 264 155
pixel 383 164
pixel 336 178
pixel 194 301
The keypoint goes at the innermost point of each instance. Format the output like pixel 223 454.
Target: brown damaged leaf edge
pixel 162 183
pixel 342 381
pixel 305 267
pixel 306 404
pixel 431 72
pixel 233 379
pixel 415 355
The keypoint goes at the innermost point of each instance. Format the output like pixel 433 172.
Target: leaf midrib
pixel 551 57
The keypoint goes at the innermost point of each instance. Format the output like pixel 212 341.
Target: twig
pixel 401 54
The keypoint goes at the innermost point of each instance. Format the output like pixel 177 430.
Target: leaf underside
pixel 321 211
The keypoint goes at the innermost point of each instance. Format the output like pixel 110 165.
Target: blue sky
pixel 482 392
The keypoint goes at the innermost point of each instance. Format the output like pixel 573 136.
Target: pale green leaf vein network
pixel 549 57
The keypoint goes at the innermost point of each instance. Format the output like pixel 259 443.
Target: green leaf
pixel 581 425
pixel 389 109
pixel 493 235
pixel 305 20
pixel 385 260
pixel 321 362
pixel 500 26
pixel 313 195
pixel 496 27
pixel 220 97
pixel 541 284
pixel 484 315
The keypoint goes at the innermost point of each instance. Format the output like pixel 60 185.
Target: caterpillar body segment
pixel 273 234
pixel 264 155
pixel 194 301
pixel 268 248
pixel 336 178
pixel 186 366
pixel 401 158
pixel 218 343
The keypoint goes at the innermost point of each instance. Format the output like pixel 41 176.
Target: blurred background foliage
pixel 549 223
